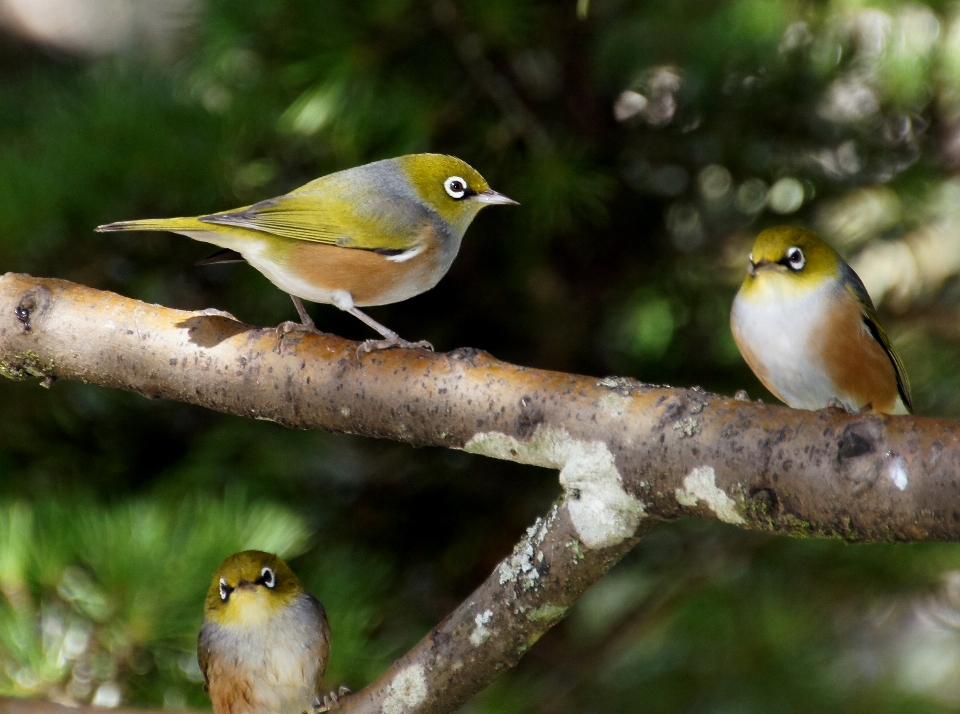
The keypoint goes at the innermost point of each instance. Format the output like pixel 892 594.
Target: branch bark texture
pixel 527 594
pixel 627 453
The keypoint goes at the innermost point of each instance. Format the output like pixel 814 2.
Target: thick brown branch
pixel 626 451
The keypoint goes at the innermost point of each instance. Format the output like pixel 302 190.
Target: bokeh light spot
pixel 786 195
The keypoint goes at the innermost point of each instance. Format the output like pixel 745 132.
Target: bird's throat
pixel 250 608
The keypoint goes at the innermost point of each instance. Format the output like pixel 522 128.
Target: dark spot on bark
pixel 441 638
pixel 860 440
pixel 766 497
pixel 470 355
pixel 31 306
pixel 528 419
pixel 854 443
pixel 22 312
pixel 672 410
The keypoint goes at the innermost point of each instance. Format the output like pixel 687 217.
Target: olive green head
pixel 791 256
pixel 249 588
pixel 451 187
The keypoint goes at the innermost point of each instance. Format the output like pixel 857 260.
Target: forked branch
pixel 627 453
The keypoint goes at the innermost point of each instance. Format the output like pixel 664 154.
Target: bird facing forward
pixel 371 235
pixel 806 326
pixel 264 643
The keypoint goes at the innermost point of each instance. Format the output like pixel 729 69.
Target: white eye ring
pixel 224 589
pixel 455 187
pixel 268 577
pixel 795 258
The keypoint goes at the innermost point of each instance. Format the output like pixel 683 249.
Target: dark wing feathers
pixel 203 657
pixel 869 317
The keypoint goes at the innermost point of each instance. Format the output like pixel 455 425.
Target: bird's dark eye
pixel 795 259
pixel 225 589
pixel 455 187
pixel 267 577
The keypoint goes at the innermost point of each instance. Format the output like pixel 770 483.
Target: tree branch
pixel 627 453
pixel 527 594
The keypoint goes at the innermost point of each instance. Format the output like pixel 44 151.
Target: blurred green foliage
pixel 95 596
pixel 647 142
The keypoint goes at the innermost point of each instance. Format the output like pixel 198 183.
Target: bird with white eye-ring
pixel 264 643
pixel 806 326
pixel 371 235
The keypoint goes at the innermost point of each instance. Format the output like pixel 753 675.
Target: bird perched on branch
pixel 806 326
pixel 371 235
pixel 264 643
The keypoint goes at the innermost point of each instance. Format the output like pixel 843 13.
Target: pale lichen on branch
pixel 627 453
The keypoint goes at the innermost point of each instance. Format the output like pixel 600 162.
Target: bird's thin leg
pixel 344 301
pixel 390 338
pixel 306 324
pixel 304 317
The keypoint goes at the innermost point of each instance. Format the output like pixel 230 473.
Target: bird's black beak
pixel 245 584
pixel 492 197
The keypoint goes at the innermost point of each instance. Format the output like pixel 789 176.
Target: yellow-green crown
pixel 816 260
pixel 427 174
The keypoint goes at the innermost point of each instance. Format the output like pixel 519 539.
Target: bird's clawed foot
pixel 392 341
pixel 285 328
pixel 332 700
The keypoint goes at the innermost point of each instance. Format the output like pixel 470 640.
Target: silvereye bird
pixel 806 326
pixel 264 643
pixel 370 235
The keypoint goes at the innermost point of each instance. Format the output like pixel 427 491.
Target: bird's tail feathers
pixel 156 224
